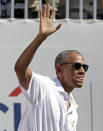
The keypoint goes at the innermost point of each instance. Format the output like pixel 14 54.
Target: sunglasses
pixel 77 66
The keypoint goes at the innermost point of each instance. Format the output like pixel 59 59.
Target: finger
pixel 52 14
pixel 40 12
pixel 48 10
pixel 45 10
pixel 58 27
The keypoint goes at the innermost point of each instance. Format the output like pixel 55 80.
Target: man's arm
pixel 24 74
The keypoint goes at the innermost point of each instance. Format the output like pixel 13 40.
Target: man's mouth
pixel 80 78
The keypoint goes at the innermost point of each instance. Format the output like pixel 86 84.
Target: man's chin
pixel 79 85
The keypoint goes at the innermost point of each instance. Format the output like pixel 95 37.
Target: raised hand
pixel 46 21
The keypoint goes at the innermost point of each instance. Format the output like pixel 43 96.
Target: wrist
pixel 42 36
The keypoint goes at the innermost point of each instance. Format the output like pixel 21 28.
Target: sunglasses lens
pixel 85 67
pixel 77 66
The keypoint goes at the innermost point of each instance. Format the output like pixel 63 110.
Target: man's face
pixel 70 77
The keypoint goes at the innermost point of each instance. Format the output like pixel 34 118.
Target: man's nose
pixel 81 70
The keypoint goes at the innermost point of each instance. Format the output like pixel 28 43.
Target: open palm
pixel 46 21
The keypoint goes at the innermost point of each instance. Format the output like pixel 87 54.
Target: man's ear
pixel 58 69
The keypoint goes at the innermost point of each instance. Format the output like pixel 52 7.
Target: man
pixel 53 107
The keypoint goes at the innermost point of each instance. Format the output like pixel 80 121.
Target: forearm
pixel 46 28
pixel 26 57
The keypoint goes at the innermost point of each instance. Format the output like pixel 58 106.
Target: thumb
pixel 58 27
